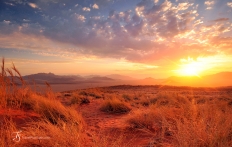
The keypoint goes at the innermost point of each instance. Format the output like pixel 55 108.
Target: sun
pixel 190 68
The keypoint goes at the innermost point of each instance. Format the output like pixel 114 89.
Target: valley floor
pixel 123 115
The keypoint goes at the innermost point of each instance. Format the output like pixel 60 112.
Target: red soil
pixel 113 126
pixel 20 117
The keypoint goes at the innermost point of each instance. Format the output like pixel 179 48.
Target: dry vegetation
pixel 115 106
pixel 115 116
pixel 54 120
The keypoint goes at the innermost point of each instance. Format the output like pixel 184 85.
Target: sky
pixel 139 38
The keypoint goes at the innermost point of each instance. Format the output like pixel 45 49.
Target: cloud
pixel 146 33
pixel 33 5
pixel 224 43
pixel 86 9
pixel 11 4
pixel 95 6
pixel 229 4
pixel 221 19
pixel 183 6
pixel 209 4
pixel 6 22
pixel 79 17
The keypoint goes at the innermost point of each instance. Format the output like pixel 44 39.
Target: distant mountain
pixel 120 77
pixel 100 79
pixel 41 78
pixel 52 78
pixel 224 75
pixel 214 80
pixel 91 76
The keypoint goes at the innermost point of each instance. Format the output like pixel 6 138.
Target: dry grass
pixel 79 100
pixel 62 125
pixel 144 120
pixel 185 123
pixel 113 138
pixel 40 133
pixel 7 127
pixel 115 106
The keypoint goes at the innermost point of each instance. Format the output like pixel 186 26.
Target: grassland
pixel 113 116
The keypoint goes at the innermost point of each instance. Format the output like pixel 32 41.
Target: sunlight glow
pixel 191 67
pixel 201 66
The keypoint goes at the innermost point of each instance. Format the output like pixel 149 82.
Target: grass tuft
pixel 115 106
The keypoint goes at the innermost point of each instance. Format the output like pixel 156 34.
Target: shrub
pixel 51 109
pixel 126 97
pixel 114 106
pixel 143 120
pixel 83 93
pixel 94 95
pixel 75 100
pixel 79 100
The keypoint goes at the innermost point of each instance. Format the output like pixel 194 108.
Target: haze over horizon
pixel 137 38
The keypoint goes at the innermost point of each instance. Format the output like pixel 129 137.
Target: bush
pixel 142 120
pixel 115 106
pixel 79 100
pixel 83 93
pixel 126 97
pixel 75 100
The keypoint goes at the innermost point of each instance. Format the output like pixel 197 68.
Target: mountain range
pixel 214 80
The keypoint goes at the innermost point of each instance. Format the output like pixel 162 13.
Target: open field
pixel 156 115
pixel 121 115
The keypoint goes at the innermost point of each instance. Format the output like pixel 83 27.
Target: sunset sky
pixel 140 38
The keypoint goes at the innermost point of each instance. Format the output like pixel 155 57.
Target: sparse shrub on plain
pixel 144 120
pixel 94 95
pixel 148 102
pixel 83 93
pixel 115 106
pixel 84 100
pixel 126 97
pixel 75 100
pixel 79 100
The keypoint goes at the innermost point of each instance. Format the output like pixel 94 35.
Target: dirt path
pixel 111 126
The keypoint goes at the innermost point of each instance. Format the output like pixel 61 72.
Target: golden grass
pixel 40 133
pixel 7 127
pixel 61 125
pixel 115 106
pixel 113 138
pixel 185 123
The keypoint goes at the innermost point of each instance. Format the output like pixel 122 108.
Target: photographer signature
pixel 17 136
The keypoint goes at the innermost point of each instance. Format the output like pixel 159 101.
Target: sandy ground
pixel 100 127
pixel 113 126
